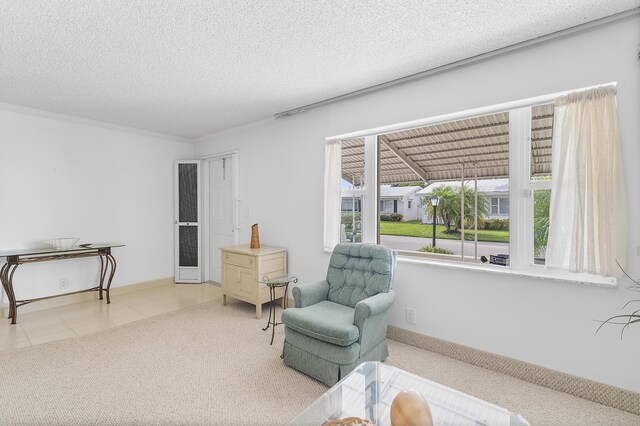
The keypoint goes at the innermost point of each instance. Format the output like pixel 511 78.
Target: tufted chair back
pixel 359 270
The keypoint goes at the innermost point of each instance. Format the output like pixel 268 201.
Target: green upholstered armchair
pixel 341 321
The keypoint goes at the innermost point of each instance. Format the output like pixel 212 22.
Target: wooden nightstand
pixel 243 267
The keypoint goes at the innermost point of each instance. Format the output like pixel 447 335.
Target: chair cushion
pixel 326 321
pixel 358 271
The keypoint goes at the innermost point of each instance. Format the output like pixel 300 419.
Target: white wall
pixel 539 321
pixel 412 213
pixel 64 178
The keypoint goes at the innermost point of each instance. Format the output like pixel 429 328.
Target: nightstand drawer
pixel 240 260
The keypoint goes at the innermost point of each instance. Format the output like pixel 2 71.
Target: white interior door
pixel 223 226
pixel 188 246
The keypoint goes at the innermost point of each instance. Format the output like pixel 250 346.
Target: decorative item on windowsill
pixel 255 237
pixel 499 259
pixel 410 408
pixel 625 320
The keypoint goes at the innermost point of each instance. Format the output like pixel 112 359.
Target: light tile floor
pixel 86 317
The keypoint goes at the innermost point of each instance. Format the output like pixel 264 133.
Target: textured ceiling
pixel 192 68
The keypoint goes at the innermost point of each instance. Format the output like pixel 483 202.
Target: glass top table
pixel 273 284
pixel 17 257
pixel 368 391
pixel 52 250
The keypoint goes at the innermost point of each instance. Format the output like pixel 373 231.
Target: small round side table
pixel 273 284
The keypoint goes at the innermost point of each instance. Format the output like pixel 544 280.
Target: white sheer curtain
pixel 588 220
pixel 332 193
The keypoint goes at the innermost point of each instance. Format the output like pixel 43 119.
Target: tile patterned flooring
pixel 86 317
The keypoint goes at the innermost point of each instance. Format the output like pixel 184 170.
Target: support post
pixel 462 212
pixel 475 221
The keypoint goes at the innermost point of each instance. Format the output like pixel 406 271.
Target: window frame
pixel 501 203
pixel 521 188
pixel 497 205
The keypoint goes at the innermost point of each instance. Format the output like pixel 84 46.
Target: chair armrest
pixel 310 293
pixel 373 306
pixel 371 319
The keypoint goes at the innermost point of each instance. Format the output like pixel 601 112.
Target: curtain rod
pixel 472 59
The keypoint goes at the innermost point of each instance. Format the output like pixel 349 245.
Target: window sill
pixel 539 273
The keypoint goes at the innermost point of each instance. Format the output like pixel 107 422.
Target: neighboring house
pixel 393 199
pixel 496 191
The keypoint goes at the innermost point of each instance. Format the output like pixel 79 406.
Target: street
pixel 414 243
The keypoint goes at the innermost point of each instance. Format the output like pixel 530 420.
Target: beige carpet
pixel 211 364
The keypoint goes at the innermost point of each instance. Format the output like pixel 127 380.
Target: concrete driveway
pixel 414 243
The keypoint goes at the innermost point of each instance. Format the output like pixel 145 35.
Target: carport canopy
pixel 443 152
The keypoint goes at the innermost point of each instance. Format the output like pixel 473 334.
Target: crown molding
pixel 90 122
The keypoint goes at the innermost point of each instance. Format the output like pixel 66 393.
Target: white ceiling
pixel 191 68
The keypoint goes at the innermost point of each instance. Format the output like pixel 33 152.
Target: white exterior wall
pixel 65 178
pixel 410 213
pixel 544 322
pixel 403 206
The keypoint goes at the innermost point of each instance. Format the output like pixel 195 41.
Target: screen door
pixel 188 268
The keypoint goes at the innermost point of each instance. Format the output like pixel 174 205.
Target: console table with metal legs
pixel 15 258
pixel 273 284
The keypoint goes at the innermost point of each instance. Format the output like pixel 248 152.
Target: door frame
pixel 206 196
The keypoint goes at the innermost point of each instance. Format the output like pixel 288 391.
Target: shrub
pixel 396 217
pixel 431 249
pixel 469 223
pixel 385 218
pixel 497 225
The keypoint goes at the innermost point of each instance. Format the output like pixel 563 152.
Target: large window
pixel 462 163
pixel 482 185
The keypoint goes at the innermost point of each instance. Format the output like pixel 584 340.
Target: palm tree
pixel 449 205
pixel 469 210
pixel 446 205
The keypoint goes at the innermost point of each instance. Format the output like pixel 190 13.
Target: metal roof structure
pixel 443 152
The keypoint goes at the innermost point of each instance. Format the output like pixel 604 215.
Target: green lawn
pixel 414 228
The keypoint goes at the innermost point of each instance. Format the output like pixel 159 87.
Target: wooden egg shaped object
pixel 409 408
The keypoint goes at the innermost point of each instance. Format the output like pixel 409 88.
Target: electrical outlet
pixel 411 316
pixel 63 283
